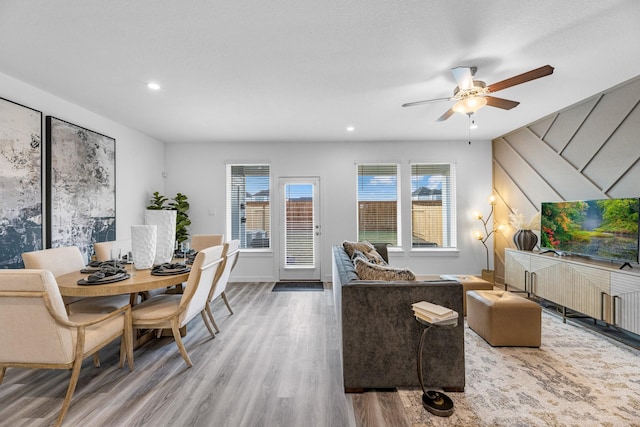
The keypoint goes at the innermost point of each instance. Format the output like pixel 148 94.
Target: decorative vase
pixel 525 240
pixel 143 245
pixel 165 220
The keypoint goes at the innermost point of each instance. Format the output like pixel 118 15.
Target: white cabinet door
pixel 516 269
pixel 625 290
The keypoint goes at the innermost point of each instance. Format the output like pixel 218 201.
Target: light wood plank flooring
pixel 274 363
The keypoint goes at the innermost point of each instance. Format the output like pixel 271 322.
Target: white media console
pixel 597 289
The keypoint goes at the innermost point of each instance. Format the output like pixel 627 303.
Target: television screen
pixel 605 229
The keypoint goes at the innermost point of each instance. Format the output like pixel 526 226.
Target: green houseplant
pixel 179 204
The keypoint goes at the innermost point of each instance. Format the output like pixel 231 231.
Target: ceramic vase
pixel 143 245
pixel 165 220
pixel 525 240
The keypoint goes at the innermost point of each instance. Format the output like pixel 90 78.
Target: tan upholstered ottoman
pixel 469 283
pixel 504 318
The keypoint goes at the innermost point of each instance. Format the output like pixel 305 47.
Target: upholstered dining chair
pixel 230 254
pixel 65 260
pixel 201 241
pixel 36 332
pixel 103 249
pixel 173 311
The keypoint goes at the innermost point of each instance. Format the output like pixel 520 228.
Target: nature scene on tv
pixel 606 229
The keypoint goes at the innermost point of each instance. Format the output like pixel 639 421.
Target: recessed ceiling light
pixel 350 129
pixel 153 86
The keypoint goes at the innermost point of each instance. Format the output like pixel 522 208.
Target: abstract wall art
pixel 81 177
pixel 20 182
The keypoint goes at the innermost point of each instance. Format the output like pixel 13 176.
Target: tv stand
pixel 599 290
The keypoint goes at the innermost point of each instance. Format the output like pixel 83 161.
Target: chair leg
pixel 126 342
pixel 226 301
pixel 2 371
pixel 183 351
pixel 210 314
pixel 96 359
pixel 203 313
pixel 75 374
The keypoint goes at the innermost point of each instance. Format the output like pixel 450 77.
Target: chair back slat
pixel 30 333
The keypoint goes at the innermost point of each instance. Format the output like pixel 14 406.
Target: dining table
pixel 140 281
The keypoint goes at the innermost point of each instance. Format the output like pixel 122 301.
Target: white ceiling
pixel 304 70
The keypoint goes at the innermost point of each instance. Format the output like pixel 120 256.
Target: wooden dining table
pixel 141 281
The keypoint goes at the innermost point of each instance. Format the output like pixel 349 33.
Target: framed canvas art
pixel 20 182
pixel 81 177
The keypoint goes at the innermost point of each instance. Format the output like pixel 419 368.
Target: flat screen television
pixel 603 229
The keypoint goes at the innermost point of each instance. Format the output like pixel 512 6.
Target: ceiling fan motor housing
pixel 478 89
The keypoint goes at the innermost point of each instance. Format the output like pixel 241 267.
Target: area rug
pixel 297 286
pixel 576 378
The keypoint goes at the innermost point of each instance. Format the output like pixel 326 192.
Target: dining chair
pixel 173 311
pixel 36 331
pixel 103 249
pixel 65 260
pixel 201 241
pixel 230 254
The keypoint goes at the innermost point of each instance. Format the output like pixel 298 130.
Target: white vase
pixel 143 245
pixel 165 220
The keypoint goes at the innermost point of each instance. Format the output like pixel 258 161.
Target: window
pixel 378 203
pixel 433 206
pixel 249 205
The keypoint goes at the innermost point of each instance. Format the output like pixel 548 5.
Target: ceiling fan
pixel 471 95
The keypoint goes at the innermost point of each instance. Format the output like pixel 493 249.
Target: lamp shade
pixel 469 105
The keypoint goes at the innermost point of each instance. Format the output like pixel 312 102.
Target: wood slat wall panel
pixel 566 125
pixel 560 175
pixel 618 155
pixel 541 127
pixel 529 166
pixel 603 121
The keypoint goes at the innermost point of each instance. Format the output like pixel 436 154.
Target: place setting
pixel 170 269
pixel 101 272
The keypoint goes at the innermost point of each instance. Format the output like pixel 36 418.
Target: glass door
pixel 299 229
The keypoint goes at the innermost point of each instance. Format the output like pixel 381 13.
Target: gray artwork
pixel 20 182
pixel 81 201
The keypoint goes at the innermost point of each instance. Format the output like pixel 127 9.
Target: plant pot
pixel 525 240
pixel 143 245
pixel 165 220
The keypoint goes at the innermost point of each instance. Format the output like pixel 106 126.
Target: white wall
pixel 139 158
pixel 198 170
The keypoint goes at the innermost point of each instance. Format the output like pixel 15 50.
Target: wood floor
pixel 274 363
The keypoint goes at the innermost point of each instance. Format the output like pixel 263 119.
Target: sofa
pixel 380 334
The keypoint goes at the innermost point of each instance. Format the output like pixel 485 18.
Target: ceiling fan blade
pixel 446 115
pixel 411 104
pixel 505 104
pixel 521 78
pixel 463 77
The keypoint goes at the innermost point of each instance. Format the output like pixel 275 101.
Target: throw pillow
pixel 370 271
pixel 363 246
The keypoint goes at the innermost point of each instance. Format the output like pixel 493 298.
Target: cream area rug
pixel 576 378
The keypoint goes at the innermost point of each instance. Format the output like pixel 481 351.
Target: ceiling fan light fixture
pixel 469 105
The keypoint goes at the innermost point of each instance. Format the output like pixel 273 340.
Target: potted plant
pixel 181 206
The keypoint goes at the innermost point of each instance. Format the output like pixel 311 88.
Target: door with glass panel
pixel 299 228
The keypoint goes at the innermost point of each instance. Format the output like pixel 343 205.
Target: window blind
pixel 249 205
pixel 433 206
pixel 378 203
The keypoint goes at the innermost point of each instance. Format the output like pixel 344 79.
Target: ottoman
pixel 469 283
pixel 504 318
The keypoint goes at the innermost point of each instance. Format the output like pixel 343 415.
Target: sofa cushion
pixel 370 271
